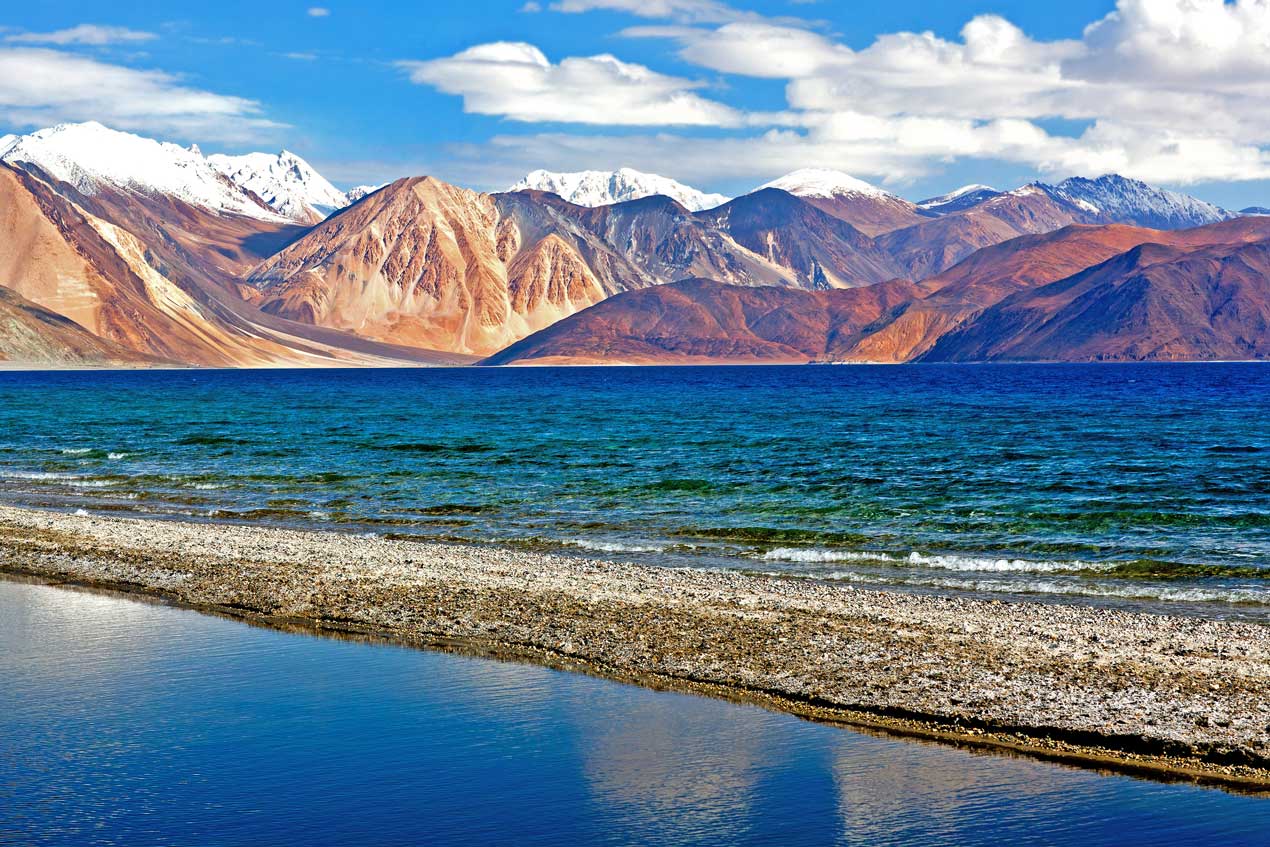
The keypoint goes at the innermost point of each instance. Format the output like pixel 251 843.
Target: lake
pixel 131 723
pixel 1138 485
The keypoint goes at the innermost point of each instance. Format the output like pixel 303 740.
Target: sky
pixel 724 95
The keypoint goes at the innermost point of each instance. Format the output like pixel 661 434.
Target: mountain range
pixel 121 249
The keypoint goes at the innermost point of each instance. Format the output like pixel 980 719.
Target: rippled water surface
pixel 135 724
pixel 1141 484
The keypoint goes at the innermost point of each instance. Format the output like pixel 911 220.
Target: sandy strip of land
pixel 1170 696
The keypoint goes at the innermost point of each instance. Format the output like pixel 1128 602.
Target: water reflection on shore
pixel 129 723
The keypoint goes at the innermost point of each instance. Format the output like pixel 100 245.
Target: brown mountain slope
pixel 820 250
pixel 1153 302
pixel 31 335
pixel 872 216
pixel 769 237
pixel 935 245
pixel 426 264
pixel 706 321
pixel 956 296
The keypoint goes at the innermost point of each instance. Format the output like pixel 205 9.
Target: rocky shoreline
pixel 1168 697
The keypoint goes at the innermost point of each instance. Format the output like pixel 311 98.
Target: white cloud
pixel 39 87
pixel 516 81
pixel 1167 90
pixel 92 34
pixel 687 11
pixel 319 12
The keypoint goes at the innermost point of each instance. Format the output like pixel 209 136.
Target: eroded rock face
pixel 417 264
pixel 427 264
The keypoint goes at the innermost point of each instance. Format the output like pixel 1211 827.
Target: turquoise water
pixel 124 723
pixel 1146 485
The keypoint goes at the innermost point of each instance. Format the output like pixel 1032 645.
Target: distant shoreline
pixel 1159 696
pixel 35 367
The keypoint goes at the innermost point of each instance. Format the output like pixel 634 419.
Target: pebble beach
pixel 1163 696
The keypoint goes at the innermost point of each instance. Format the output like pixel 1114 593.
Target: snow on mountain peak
pixel 603 188
pixel 822 182
pixel 1122 199
pixel 967 193
pixel 285 181
pixel 89 156
pixel 357 192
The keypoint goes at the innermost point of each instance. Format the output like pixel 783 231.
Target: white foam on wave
pixel 793 554
pixel 614 547
pixel 76 451
pixel 979 563
pixel 941 562
pixel 117 456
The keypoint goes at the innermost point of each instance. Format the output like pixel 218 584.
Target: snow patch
pixel 604 188
pixel 821 182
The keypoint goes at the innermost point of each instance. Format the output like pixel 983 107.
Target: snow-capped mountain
pixel 962 198
pixel 868 208
pixel 604 188
pixel 1255 211
pixel 285 181
pixel 91 157
pixel 824 183
pixel 1115 198
pixel 358 192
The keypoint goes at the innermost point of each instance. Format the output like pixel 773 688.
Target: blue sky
pixel 916 96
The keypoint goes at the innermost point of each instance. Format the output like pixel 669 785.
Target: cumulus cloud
pixel 1169 90
pixel 39 87
pixel 516 81
pixel 91 34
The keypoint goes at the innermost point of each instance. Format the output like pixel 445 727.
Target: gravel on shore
pixel 1172 697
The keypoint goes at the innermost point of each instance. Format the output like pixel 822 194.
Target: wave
pixel 793 554
pixel 939 561
pixel 76 451
pixel 1001 565
pixel 614 547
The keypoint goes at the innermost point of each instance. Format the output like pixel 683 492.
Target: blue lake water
pixel 128 723
pixel 1139 484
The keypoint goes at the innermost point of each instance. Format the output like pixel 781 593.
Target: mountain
pixel 866 207
pixel 959 200
pixel 286 182
pixel 90 157
pixel 1151 303
pixel 699 320
pixel 158 276
pixel 1255 210
pixel 954 316
pixel 603 188
pixel 1115 199
pixel 426 264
